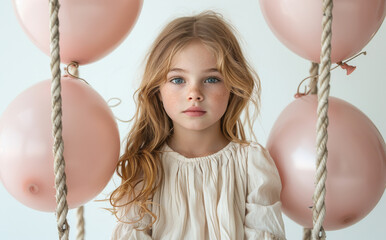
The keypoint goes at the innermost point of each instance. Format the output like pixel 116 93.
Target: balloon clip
pixel 343 65
pixel 349 69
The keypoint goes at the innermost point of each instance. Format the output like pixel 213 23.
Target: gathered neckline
pixel 183 158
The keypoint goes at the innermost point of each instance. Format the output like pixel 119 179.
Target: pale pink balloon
pixel 298 25
pixel 91 145
pixel 356 165
pixel 89 29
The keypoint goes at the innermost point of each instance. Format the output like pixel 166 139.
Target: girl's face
pixel 194 95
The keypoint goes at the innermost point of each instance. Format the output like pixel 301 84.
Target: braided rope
pixel 73 70
pixel 314 71
pixel 319 208
pixel 56 117
pixel 307 233
pixel 80 224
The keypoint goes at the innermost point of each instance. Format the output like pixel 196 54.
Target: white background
pixel 117 75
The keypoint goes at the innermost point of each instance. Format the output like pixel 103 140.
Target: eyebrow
pixel 183 70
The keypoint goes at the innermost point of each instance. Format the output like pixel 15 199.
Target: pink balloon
pixel 298 25
pixel 356 165
pixel 91 145
pixel 89 29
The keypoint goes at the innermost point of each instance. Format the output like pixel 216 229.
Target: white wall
pixel 116 75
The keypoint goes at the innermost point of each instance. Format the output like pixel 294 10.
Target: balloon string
pixel 341 64
pixel 115 105
pixel 72 70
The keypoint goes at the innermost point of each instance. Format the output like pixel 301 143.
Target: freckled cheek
pixel 220 100
pixel 170 101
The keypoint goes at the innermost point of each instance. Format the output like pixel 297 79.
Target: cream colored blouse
pixel 232 194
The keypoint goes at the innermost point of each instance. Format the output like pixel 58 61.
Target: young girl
pixel 188 171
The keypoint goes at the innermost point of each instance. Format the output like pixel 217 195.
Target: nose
pixel 195 94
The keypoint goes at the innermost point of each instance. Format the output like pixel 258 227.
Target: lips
pixel 194 111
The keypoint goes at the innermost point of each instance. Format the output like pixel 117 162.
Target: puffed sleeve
pixel 263 219
pixel 125 231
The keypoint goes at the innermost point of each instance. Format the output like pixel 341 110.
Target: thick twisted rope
pixel 56 117
pixel 314 71
pixel 307 233
pixel 319 208
pixel 80 224
pixel 72 70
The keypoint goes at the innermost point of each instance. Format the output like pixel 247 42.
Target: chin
pixel 196 127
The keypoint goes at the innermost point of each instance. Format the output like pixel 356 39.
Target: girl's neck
pixel 191 143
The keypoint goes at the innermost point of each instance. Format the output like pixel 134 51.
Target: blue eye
pixel 177 80
pixel 212 80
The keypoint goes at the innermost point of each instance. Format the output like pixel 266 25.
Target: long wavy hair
pixel 140 167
